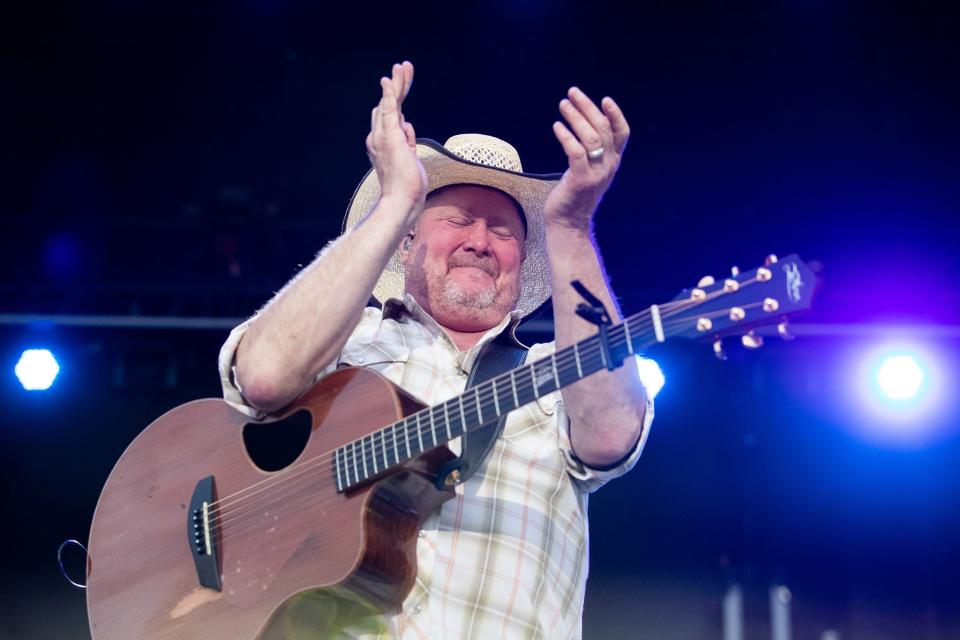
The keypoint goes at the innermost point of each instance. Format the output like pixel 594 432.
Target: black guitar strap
pixel 498 356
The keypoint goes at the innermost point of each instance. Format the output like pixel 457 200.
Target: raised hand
pixel 594 142
pixel 391 145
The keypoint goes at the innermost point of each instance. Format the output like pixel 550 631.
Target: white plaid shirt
pixel 507 557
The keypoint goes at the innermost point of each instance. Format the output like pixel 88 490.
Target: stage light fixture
pixel 650 375
pixel 900 377
pixel 37 369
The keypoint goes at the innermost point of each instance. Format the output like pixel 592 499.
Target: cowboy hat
pixel 476 159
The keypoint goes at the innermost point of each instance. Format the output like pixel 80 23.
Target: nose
pixel 477 239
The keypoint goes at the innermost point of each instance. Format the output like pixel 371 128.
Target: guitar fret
pixel 406 437
pixel 363 457
pixel 373 451
pixel 433 427
pixel 383 442
pixel 356 467
pixel 336 458
pixel 626 329
pixel 513 386
pixel 603 356
pixel 556 376
pixel 419 433
pixel 533 381
pixel 576 356
pixel 496 402
pixel 476 394
pixel 463 417
pixel 396 447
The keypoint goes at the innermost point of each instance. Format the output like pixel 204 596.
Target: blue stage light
pixel 898 392
pixel 37 369
pixel 650 375
pixel 900 377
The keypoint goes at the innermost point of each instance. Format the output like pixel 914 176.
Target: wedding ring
pixel 595 154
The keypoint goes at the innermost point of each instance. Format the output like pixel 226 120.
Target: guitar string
pixel 374 451
pixel 564 355
pixel 680 305
pixel 325 481
pixel 524 386
pixel 236 527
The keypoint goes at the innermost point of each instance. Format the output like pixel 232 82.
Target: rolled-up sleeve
pixel 587 477
pixel 232 393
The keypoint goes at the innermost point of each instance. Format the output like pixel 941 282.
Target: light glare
pixel 37 369
pixel 900 377
pixel 650 375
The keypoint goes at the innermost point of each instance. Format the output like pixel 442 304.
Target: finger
pixel 597 119
pixel 389 116
pixel 407 75
pixel 411 135
pixel 397 79
pixel 374 118
pixel 576 154
pixel 618 123
pixel 585 132
pixel 590 111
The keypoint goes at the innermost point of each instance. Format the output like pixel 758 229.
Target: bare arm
pixel 607 409
pixel 307 323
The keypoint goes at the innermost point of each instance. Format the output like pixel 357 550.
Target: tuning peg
pixel 734 271
pixel 751 340
pixel 706 281
pixel 718 349
pixel 770 259
pixel 784 330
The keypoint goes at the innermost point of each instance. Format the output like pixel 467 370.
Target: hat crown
pixel 485 150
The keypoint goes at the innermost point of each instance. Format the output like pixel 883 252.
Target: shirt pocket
pixel 386 359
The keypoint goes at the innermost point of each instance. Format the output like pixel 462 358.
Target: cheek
pixel 510 260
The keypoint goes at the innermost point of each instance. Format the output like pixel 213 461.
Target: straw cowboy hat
pixel 476 159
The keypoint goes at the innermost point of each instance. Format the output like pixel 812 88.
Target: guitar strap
pixel 500 355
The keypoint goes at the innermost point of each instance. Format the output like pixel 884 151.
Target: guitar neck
pixel 486 402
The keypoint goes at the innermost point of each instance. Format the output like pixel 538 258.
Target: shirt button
pixel 361 360
pixel 417 609
pixel 422 534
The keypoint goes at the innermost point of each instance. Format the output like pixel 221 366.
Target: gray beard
pixel 456 296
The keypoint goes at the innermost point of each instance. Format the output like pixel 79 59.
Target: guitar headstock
pixel 741 302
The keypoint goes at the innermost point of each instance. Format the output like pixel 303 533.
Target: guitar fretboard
pixel 397 443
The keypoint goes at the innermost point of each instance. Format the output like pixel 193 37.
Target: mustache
pixel 486 265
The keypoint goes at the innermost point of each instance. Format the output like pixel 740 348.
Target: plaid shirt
pixel 507 557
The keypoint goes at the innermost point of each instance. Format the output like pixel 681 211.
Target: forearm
pixel 606 409
pixel 307 323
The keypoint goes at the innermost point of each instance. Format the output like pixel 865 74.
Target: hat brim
pixel 443 169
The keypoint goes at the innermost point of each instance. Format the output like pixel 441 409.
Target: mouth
pixel 481 269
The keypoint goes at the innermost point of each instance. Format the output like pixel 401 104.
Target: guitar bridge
pixel 202 534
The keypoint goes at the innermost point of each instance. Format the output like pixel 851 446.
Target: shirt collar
pixel 397 309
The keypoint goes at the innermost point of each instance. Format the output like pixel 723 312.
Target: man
pixel 472 245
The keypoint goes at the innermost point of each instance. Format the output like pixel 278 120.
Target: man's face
pixel 463 265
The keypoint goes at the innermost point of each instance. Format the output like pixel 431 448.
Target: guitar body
pixel 291 533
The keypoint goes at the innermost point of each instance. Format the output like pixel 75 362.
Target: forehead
pixel 478 201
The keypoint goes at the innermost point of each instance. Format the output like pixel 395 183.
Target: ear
pixel 403 251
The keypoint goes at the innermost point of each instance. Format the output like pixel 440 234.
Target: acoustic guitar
pixel 191 539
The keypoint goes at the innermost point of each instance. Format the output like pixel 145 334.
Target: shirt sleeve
pixel 233 394
pixel 588 478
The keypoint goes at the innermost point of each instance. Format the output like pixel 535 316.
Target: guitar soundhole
pixel 274 445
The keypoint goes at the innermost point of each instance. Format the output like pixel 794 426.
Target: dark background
pixel 183 160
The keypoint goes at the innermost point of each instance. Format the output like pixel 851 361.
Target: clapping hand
pixel 594 139
pixel 392 146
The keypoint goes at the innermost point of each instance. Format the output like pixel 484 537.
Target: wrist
pixel 403 211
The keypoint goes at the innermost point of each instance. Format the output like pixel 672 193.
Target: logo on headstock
pixel 794 281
